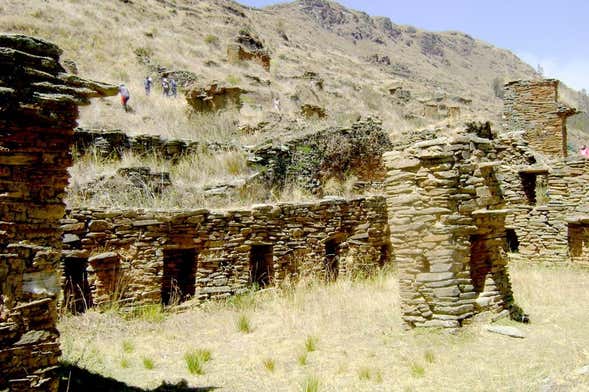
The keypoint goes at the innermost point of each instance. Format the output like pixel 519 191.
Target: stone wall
pixel 38 111
pixel 546 191
pixel 548 200
pixel 447 220
pixel 147 257
pixel 532 106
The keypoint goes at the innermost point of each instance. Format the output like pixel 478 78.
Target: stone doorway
pixel 332 254
pixel 76 291
pixel 261 265
pixel 179 280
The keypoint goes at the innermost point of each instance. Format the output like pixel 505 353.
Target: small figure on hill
pixel 585 151
pixel 147 83
pixel 125 96
pixel 276 104
pixel 173 87
pixel 165 87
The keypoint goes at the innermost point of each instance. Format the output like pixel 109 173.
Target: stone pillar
pixel 532 106
pixel 447 226
pixel 38 111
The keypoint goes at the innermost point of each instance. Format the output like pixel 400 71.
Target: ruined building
pixel 38 111
pixel 545 188
pixel 447 223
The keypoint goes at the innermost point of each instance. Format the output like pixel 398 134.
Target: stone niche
pixel 447 220
pixel 38 110
pixel 532 106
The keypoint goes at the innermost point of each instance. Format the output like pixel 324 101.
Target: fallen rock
pixel 512 332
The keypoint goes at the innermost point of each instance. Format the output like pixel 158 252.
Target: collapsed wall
pixel 38 111
pixel 447 220
pixel 153 257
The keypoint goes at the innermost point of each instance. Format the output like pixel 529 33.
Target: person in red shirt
pixel 125 96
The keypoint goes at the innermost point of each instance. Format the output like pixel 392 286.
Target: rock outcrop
pixel 213 97
pixel 248 48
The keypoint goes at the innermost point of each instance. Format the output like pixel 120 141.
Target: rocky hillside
pixel 317 54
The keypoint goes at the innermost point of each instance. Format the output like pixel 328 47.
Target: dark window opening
pixel 512 240
pixel 261 265
pixel 385 255
pixel 529 185
pixel 179 281
pixel 76 292
pixel 332 251
pixel 480 265
pixel 575 239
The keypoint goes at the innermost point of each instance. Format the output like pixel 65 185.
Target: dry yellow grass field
pixel 345 336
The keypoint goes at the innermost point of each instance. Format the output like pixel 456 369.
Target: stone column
pixel 447 230
pixel 38 112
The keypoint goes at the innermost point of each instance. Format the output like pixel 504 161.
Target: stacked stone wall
pixel 546 191
pixel 532 106
pixel 447 220
pixel 135 244
pixel 38 111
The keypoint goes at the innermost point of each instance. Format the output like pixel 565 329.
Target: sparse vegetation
pixel 310 384
pixel 243 324
pixel 311 343
pixel 269 364
pixel 148 363
pixel 196 359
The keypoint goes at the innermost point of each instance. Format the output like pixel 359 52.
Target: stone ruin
pixel 168 257
pixel 532 107
pixel 38 111
pixel 447 223
pixel 545 188
pixel 248 48
pixel 445 220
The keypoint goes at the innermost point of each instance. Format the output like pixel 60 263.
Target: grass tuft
pixel 148 363
pixel 269 364
pixel 311 343
pixel 128 346
pixel 310 384
pixel 196 359
pixel 417 370
pixel 243 324
pixel 125 363
pixel 302 359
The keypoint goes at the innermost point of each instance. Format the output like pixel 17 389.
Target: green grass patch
pixel 196 359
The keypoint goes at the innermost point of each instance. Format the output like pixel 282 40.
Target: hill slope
pixel 367 65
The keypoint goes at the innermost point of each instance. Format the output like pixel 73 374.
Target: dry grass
pixel 358 338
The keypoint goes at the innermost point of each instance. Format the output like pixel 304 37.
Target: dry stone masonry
pixel 447 220
pixel 546 190
pixel 532 106
pixel 38 111
pixel 148 257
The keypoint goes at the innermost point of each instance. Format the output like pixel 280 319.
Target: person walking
pixel 125 96
pixel 165 87
pixel 173 87
pixel 147 83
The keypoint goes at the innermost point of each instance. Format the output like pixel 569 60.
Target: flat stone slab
pixel 512 332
